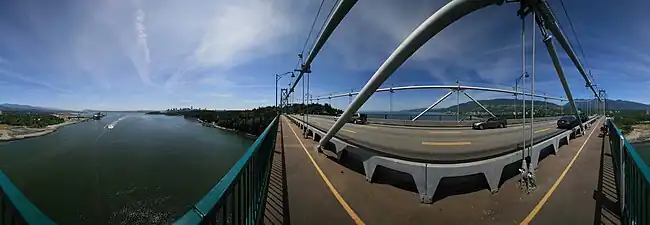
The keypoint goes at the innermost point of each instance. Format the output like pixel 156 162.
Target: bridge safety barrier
pixel 15 208
pixel 240 195
pixel 632 178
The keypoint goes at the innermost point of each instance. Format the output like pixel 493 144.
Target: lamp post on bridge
pixel 524 96
pixel 277 78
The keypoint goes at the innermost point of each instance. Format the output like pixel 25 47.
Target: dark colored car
pixel 490 123
pixel 567 122
pixel 360 118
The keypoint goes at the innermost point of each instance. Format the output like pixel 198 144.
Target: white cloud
pixel 239 33
pixel 140 55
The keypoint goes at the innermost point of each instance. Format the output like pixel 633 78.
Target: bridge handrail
pixel 18 205
pixel 240 195
pixel 632 178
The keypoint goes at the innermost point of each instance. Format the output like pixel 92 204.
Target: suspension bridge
pixel 311 169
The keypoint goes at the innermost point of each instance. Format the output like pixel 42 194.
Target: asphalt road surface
pixel 443 145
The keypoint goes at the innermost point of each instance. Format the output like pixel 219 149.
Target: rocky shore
pixel 214 125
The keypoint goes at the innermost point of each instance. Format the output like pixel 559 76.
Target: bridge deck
pixel 340 194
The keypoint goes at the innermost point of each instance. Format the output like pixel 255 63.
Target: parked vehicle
pixel 493 122
pixel 567 122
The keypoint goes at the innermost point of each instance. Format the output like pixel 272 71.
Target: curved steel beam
pixel 416 87
pixel 340 11
pixel 442 18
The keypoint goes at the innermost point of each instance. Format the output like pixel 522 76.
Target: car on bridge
pixel 567 122
pixel 358 118
pixel 492 122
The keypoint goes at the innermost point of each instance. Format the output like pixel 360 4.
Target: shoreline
pixel 213 125
pixel 6 135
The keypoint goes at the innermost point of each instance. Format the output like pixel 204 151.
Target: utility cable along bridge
pixel 311 169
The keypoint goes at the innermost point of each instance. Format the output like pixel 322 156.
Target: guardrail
pixel 632 178
pixel 240 195
pixel 15 208
pixel 426 174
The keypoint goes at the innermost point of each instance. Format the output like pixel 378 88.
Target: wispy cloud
pixel 237 34
pixel 29 80
pixel 140 55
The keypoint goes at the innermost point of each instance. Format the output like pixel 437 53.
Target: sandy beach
pixel 9 133
pixel 639 133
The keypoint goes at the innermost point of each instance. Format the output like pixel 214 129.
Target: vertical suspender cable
pixel 523 83
pixel 458 102
pixel 304 109
pixel 308 100
pixel 532 86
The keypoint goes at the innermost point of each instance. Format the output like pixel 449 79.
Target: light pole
pixel 277 78
pixel 517 89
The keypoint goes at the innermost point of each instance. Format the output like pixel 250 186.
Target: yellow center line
pixel 444 132
pixel 351 131
pixel 557 182
pixel 446 143
pixel 368 126
pixel 336 194
pixel 542 130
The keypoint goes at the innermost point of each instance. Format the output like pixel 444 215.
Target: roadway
pixel 442 145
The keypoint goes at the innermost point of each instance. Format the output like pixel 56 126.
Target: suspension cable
pixel 312 28
pixel 576 37
pixel 322 27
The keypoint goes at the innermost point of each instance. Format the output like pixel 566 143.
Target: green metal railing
pixel 15 208
pixel 240 195
pixel 632 179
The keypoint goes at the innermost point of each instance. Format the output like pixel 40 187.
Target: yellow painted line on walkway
pixel 336 194
pixel 446 143
pixel 444 132
pixel 541 203
pixel 542 130
pixel 351 131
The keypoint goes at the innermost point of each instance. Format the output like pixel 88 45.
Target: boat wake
pixel 114 123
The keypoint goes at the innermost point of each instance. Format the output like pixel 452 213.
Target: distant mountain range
pixel 507 104
pixel 617 105
pixel 17 107
pixel 492 104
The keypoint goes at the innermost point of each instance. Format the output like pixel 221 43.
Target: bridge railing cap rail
pixel 643 167
pixel 29 213
pixel 220 191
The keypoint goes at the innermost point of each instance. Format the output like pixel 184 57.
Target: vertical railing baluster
pixel 254 202
pixel 248 194
pixel 2 207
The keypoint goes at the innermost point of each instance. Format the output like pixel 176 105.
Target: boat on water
pixel 110 126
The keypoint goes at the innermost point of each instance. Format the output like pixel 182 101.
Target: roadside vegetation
pixel 28 119
pixel 625 119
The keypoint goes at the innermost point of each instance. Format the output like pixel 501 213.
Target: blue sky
pixel 124 55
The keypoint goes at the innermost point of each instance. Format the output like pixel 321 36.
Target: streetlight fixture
pixel 517 89
pixel 277 78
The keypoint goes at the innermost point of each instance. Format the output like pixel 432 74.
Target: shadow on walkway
pixel 276 210
pixel 607 209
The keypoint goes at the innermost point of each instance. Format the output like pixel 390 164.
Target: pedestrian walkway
pixel 310 188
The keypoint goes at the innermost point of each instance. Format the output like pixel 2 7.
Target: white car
pixel 356 118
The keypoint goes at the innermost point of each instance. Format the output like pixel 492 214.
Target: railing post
pixel 621 188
